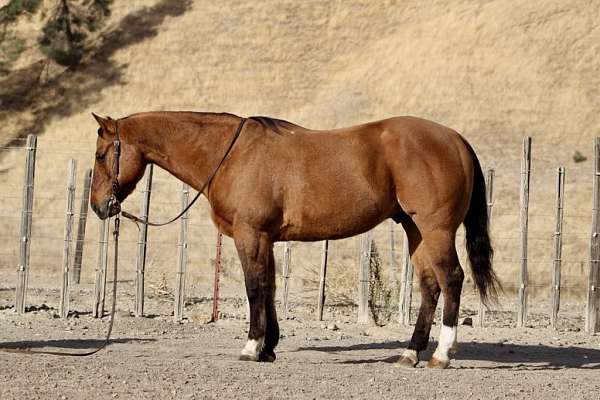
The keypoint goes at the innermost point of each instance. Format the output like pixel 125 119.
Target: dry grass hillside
pixel 494 70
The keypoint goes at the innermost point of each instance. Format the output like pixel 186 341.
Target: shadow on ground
pixel 73 90
pixel 509 356
pixel 66 343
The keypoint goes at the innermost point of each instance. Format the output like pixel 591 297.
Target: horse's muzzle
pixel 106 209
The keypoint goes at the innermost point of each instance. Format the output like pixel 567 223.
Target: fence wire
pixel 342 281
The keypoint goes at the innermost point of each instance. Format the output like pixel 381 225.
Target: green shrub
pixel 10 12
pixel 381 292
pixel 65 33
pixel 63 37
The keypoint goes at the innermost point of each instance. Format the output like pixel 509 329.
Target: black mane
pixel 274 124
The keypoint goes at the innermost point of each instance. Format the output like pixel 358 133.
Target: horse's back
pixel 337 183
pixel 424 166
pixel 329 183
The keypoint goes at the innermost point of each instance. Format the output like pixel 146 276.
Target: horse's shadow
pixel 509 356
pixel 65 343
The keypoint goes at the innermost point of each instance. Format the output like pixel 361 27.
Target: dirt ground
pixel 496 71
pixel 155 357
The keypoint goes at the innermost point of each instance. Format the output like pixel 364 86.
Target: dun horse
pixel 283 182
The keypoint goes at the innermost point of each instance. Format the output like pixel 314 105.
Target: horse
pixel 279 181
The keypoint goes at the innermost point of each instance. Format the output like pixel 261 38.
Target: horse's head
pixel 130 165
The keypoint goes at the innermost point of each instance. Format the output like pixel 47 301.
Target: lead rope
pixel 113 200
pixel 112 310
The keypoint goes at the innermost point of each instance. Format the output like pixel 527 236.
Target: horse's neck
pixel 187 149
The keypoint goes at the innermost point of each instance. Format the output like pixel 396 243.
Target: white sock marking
pixel 446 342
pixel 253 347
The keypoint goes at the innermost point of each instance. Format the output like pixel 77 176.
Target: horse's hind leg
pixel 442 252
pixel 255 250
pixel 430 291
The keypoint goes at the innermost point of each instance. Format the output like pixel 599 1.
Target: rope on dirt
pixel 112 311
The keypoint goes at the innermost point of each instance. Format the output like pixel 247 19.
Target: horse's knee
pixel 255 290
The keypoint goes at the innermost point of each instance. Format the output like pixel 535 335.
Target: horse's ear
pixel 107 126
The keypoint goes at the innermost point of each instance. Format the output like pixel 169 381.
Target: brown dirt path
pixel 157 358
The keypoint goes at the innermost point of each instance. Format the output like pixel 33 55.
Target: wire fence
pixel 48 226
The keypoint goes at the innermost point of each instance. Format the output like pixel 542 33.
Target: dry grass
pixel 494 70
pixel 340 285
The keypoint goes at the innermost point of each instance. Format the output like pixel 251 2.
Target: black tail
pixel 479 246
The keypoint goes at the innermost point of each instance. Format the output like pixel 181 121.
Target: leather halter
pixel 115 178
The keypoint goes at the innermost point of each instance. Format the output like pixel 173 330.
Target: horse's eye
pixel 99 157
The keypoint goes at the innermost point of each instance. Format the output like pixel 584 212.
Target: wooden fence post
pixel 182 246
pixel 592 319
pixel 489 195
pixel 100 281
pixel 406 284
pixel 142 244
pixel 63 309
pixel 85 200
pixel 363 277
pixel 524 213
pixel 26 219
pixel 287 257
pixel 560 198
pixel 322 276
pixel 216 283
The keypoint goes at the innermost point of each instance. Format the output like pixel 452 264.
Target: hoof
pixel 267 356
pixel 248 357
pixel 407 362
pixel 439 364
pixel 409 359
pixel 252 350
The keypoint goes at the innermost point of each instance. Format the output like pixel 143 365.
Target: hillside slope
pixel 494 70
pixel 484 67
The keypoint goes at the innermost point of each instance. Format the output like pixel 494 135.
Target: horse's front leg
pixel 255 250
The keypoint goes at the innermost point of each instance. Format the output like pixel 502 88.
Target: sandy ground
pixel 155 357
pixel 490 69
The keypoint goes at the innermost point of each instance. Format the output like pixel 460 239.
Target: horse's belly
pixel 335 212
pixel 337 187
